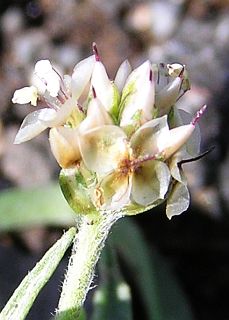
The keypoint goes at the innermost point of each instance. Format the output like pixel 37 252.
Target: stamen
pixel 198 115
pixel 57 73
pixel 49 104
pixel 65 96
pixel 182 72
pixel 128 165
pixel 161 65
pixel 151 75
pixel 94 93
pixel 125 166
pixel 62 85
pixel 136 163
pixel 61 99
pixel 80 107
pixel 95 51
pixel 158 76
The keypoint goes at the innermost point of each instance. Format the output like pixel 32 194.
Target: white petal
pixel 96 116
pixel 176 172
pixel 47 115
pixel 64 145
pixel 138 73
pixel 161 76
pixel 53 83
pixel 43 67
pixel 65 111
pixel 38 83
pixel 81 75
pixel 135 76
pixel 122 74
pixel 102 85
pixel 103 148
pixel 45 71
pixel 142 100
pixel 30 128
pixel 175 140
pixel 25 95
pixel 146 140
pixel 54 118
pixel 193 143
pixel 150 182
pixel 178 200
pixel 167 97
pixel 67 83
pixel 113 192
pixel 138 96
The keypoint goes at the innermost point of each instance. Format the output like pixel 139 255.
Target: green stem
pixel 86 251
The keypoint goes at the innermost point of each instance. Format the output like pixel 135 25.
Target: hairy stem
pixel 86 251
pixel 24 296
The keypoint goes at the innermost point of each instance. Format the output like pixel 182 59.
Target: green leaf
pixel 23 297
pixel 112 299
pixel 20 209
pixel 161 295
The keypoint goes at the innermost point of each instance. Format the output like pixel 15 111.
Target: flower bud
pixel 64 146
pixel 122 74
pixel 81 76
pixel 96 116
pixel 167 97
pixel 137 101
pixel 106 91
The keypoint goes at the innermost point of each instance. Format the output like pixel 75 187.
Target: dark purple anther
pixel 151 75
pixel 93 92
pixel 95 51
pixel 182 72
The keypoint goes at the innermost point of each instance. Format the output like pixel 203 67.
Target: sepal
pixel 76 184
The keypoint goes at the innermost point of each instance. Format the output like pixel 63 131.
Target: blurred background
pixel 195 33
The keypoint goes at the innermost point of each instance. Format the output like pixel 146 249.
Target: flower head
pixel 121 148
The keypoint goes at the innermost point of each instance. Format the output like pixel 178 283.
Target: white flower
pixel 125 170
pixel 64 141
pixel 136 169
pixel 178 198
pixel 59 93
pixel 47 78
